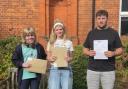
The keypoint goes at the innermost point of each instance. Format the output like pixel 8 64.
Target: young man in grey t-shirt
pixel 102 69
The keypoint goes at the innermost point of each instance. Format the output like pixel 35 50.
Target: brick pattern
pixel 84 18
pixel 85 15
pixel 113 8
pixel 17 14
pixel 66 10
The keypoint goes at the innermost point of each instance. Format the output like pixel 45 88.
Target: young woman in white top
pixel 59 77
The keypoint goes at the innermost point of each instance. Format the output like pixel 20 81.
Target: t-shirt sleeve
pixel 117 42
pixel 71 46
pixel 86 43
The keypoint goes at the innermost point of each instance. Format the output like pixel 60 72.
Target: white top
pixel 62 43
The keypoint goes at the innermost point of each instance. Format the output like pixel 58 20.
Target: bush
pixel 7 46
pixel 79 66
pixel 122 61
pixel 122 66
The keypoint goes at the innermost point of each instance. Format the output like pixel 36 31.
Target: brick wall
pixel 66 10
pixel 85 15
pixel 17 14
pixel 113 8
pixel 84 18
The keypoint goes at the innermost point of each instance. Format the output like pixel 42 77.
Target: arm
pixel 88 52
pixel 17 57
pixel 117 52
pixel 50 57
pixel 69 56
pixel 117 45
pixel 87 45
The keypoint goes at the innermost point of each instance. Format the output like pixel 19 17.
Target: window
pixel 124 25
pixel 124 17
pixel 124 5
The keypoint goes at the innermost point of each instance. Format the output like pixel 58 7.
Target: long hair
pixel 53 36
pixel 28 31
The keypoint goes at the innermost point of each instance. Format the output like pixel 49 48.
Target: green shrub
pixel 7 46
pixel 79 66
pixel 122 66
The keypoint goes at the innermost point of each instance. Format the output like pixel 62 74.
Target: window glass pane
pixel 124 25
pixel 124 5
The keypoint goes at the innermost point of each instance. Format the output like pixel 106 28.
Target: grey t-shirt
pixel 113 43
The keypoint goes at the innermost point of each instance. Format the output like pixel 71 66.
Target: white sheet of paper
pixel 100 46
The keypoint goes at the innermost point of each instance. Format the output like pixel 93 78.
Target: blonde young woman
pixel 59 77
pixel 29 48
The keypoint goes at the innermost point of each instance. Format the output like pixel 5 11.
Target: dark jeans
pixel 33 83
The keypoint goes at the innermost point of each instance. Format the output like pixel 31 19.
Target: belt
pixel 63 68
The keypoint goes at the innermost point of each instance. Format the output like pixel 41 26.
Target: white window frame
pixel 121 14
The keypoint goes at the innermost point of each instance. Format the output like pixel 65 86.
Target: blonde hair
pixel 53 36
pixel 27 31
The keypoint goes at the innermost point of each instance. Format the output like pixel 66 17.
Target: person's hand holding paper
pixel 37 65
pixel 26 64
pixel 109 53
pixel 53 58
pixel 59 53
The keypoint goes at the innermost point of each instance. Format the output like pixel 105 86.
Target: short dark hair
pixel 102 13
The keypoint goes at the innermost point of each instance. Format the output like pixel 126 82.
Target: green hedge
pixel 7 46
pixel 79 66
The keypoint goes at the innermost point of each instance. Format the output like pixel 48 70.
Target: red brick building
pixel 78 16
